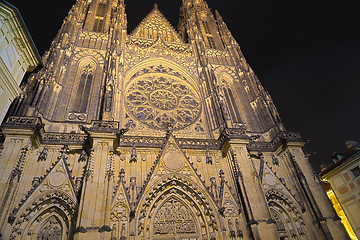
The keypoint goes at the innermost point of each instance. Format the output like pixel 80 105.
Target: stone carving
pixel 77 116
pixel 209 159
pixel 277 141
pixel 18 168
pixel 174 218
pixel 21 121
pixel 162 100
pixel 52 230
pixel 133 156
pixel 214 189
pixel 83 156
pixel 43 154
pixel 133 191
pixel 64 138
pixel 274 159
pixel 105 124
pixel 130 124
pixel 154 26
pixel 142 141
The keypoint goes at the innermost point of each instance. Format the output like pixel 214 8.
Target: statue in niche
pixel 108 98
pixel 214 189
pixel 51 230
pixel 133 156
pixel 209 159
pixel 132 190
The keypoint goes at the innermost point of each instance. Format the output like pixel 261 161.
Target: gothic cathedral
pixel 155 134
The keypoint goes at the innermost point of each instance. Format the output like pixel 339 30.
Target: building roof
pixel 340 159
pixel 26 31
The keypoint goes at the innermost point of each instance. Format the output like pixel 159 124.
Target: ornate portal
pixel 162 100
pixel 174 218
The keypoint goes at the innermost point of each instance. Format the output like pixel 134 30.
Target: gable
pixel 155 26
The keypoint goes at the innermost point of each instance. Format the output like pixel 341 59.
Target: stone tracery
pixel 161 97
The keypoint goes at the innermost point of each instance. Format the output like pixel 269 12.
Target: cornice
pixel 25 44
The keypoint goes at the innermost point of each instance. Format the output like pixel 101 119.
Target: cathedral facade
pixel 155 134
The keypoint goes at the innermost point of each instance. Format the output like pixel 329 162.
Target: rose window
pixel 162 100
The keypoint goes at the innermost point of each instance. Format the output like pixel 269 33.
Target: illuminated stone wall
pixel 154 134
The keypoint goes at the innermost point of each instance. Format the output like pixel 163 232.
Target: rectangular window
pixel 356 171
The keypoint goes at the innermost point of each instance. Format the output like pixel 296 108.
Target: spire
pixel 195 3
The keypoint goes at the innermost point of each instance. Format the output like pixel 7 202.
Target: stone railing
pixel 104 125
pixel 64 138
pixel 23 122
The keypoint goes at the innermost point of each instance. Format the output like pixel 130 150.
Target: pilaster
pixel 21 135
pixel 328 219
pixel 94 211
pixel 259 218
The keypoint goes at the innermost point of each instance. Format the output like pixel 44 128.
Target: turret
pixel 201 23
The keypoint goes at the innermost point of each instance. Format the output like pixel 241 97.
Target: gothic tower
pixel 155 134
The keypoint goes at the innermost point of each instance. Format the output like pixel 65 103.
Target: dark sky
pixel 305 53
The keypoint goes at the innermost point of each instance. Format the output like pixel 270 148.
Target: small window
pixel 101 10
pixel 211 42
pixel 356 171
pixel 206 27
pixel 99 18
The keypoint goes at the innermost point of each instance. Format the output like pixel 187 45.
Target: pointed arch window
pixel 206 27
pixel 99 18
pixel 83 90
pixel 209 36
pixel 211 41
pixel 230 100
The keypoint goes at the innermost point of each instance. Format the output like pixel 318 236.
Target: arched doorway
pixel 174 220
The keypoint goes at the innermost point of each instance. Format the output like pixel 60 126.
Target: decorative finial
pixel 155 6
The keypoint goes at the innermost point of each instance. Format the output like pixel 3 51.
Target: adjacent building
pixel 18 54
pixel 343 175
pixel 155 133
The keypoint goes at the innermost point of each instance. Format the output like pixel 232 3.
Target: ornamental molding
pixel 213 144
pixel 35 123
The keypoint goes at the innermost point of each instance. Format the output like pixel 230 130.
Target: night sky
pixel 305 53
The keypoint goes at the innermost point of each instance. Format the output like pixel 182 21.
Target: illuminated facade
pixel 343 179
pixel 18 55
pixel 157 134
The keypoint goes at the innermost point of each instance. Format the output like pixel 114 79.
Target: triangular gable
pixel 172 160
pixel 155 26
pixel 173 175
pixel 228 203
pixel 57 179
pixel 271 181
pixel 120 194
